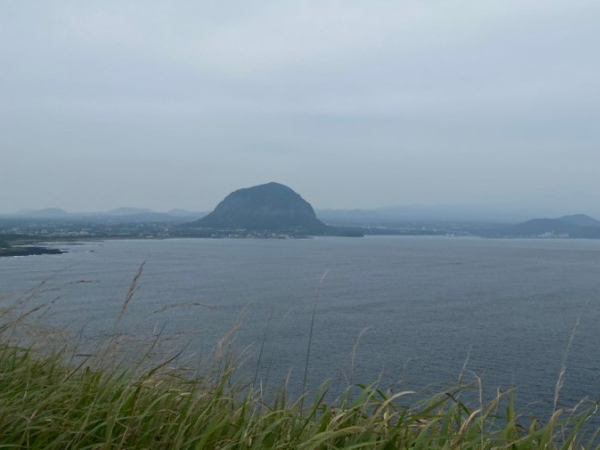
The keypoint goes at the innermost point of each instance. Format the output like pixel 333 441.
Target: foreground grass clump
pixel 47 404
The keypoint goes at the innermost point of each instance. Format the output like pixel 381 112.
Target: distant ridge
pixel 47 213
pixel 118 215
pixel 271 206
pixel 581 220
pixel 574 226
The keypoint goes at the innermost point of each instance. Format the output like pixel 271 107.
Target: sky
pixel 353 104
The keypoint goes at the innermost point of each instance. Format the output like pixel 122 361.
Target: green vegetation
pixel 47 404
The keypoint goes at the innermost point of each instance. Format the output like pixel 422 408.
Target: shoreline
pixel 29 251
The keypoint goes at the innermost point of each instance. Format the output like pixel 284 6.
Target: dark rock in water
pixel 29 251
pixel 270 206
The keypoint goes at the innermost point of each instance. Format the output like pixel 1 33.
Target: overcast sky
pixel 173 104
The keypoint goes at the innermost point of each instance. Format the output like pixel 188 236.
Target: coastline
pixel 29 251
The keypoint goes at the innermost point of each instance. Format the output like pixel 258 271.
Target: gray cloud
pixel 352 103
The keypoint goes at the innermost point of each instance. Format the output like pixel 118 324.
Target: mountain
pixel 270 206
pixel 574 226
pixel 538 227
pixel 580 220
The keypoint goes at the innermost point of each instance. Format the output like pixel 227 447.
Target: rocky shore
pixel 29 251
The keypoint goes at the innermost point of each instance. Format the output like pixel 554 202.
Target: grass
pixel 59 399
pixel 46 403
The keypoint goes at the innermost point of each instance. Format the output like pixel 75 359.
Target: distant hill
pixel 271 206
pixel 537 227
pixel 581 220
pixel 118 215
pixel 574 226
pixel 47 213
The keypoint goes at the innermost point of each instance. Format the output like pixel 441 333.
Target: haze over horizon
pixel 353 104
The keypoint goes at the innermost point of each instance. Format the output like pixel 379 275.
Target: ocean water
pixel 424 307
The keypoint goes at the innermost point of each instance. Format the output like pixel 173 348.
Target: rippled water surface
pixel 427 304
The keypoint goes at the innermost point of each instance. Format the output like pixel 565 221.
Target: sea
pixel 411 313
